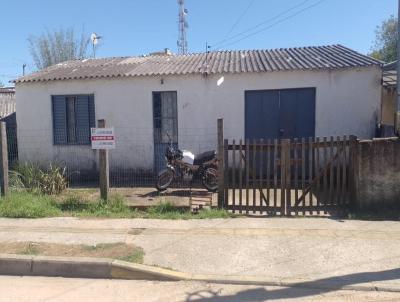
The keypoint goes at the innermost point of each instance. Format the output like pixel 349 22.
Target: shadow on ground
pixel 299 290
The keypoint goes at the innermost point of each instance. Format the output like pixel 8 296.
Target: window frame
pixel 67 139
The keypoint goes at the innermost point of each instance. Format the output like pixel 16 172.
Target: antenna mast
pixel 183 25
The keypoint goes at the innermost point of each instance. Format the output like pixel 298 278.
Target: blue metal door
pixel 165 120
pixel 275 114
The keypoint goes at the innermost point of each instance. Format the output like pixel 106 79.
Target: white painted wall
pixel 347 102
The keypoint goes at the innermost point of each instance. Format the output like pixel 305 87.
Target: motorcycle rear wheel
pixel 210 179
pixel 164 180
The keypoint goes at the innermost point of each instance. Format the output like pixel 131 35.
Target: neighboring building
pixel 7 102
pixel 389 93
pixel 282 93
pixel 8 115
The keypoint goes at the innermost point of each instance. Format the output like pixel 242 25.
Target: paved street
pixel 40 289
pixel 308 250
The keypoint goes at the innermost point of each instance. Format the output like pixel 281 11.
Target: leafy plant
pixel 32 177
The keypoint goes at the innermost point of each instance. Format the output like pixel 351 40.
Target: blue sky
pixel 133 27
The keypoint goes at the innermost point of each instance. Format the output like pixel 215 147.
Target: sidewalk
pixel 300 249
pixel 31 289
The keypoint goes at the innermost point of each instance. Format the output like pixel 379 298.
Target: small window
pixel 73 116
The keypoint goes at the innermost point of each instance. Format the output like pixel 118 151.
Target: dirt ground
pixel 104 250
pixel 143 196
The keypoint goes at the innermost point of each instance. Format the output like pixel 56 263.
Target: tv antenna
pixel 95 40
pixel 183 26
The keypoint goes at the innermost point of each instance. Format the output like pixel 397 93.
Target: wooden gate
pixel 311 176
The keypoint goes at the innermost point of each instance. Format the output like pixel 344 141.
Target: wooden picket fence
pixel 312 176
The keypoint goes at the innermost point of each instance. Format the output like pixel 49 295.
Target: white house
pixel 295 92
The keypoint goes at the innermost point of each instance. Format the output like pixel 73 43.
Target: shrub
pixel 32 177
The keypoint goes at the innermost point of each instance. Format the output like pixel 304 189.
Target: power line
pixel 273 24
pixel 240 18
pixel 262 23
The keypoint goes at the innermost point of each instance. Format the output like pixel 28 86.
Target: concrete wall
pixel 378 174
pixel 347 102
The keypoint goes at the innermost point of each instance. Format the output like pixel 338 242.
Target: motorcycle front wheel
pixel 210 179
pixel 164 180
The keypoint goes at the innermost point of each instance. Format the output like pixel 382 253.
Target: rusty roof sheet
pixel 238 61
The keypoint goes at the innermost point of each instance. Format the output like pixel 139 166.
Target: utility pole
pixel 183 25
pixel 23 69
pixel 397 113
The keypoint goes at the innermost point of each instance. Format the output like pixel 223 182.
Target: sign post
pixel 103 139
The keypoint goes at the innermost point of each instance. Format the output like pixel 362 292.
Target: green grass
pixel 30 249
pixel 22 204
pixel 100 246
pixel 136 256
pixel 28 205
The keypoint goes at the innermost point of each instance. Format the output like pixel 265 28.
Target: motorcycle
pixel 184 164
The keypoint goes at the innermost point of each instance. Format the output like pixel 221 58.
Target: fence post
pixel 353 171
pixel 285 176
pixel 104 177
pixel 4 159
pixel 221 164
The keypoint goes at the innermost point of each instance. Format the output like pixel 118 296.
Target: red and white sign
pixel 102 138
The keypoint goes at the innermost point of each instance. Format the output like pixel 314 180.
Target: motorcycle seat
pixel 204 157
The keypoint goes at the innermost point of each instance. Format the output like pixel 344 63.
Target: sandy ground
pixel 102 250
pixel 35 289
pixel 307 249
pixel 145 196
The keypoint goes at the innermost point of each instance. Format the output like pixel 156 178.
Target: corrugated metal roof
pixel 389 75
pixel 239 61
pixel 7 90
pixel 7 102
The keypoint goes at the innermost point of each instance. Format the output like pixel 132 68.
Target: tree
pixel 385 48
pixel 56 46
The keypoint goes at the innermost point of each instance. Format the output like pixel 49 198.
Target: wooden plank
pixel 261 175
pixel 353 171
pixel 240 176
pixel 253 178
pixel 221 184
pixel 247 164
pixel 344 171
pixel 258 146
pixel 331 171
pixel 226 174
pixel 268 159
pixel 317 191
pixel 274 157
pixel 313 209
pixel 325 176
pixel 310 172
pixel 303 171
pixel 4 183
pixel 288 181
pixel 104 168
pixel 285 163
pixel 296 173
pixel 338 175
pixel 234 173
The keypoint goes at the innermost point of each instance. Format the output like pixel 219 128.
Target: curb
pixel 103 268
